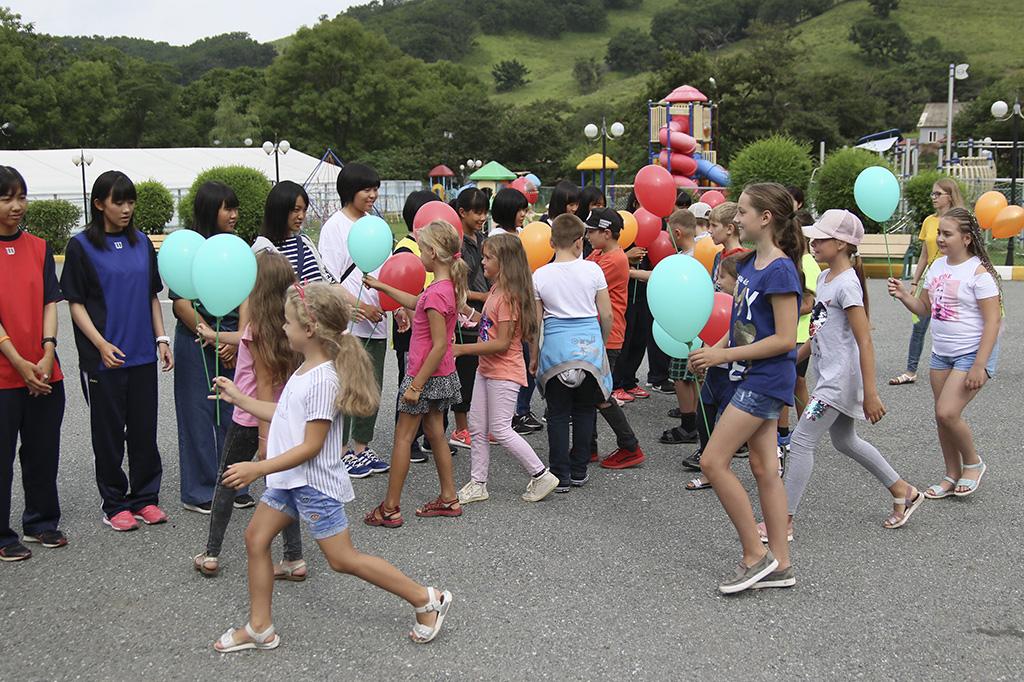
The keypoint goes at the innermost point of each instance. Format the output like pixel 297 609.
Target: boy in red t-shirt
pixel 603 228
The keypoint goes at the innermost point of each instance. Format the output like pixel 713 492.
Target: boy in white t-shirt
pixel 571 367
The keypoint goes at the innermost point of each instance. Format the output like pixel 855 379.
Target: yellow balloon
pixel 987 208
pixel 629 229
pixel 536 238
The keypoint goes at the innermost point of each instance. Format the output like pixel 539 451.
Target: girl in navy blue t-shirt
pixel 761 353
pixel 110 279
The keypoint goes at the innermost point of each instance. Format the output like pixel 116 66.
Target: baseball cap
pixel 604 219
pixel 700 210
pixel 837 224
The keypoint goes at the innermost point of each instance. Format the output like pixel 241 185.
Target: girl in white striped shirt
pixel 305 476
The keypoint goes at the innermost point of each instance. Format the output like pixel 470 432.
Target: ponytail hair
pixel 442 238
pixel 787 234
pixel 319 307
pixel 968 225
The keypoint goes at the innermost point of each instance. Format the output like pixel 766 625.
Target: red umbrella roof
pixel 685 93
pixel 441 171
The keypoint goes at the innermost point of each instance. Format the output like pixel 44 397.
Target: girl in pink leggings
pixel 509 317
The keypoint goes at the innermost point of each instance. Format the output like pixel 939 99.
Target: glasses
pixel 936 195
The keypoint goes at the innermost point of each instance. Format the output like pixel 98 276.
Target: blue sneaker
pixel 356 465
pixel 783 451
pixel 376 464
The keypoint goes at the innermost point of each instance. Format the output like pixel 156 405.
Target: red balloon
pixel 718 323
pixel 713 198
pixel 661 248
pixel 436 210
pixel 648 226
pixel 526 188
pixel 403 271
pixel 656 190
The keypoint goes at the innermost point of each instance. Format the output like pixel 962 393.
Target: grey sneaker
pixel 776 579
pixel 747 576
pixel 538 488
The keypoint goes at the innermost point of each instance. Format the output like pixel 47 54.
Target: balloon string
pixel 216 363
pixel 202 348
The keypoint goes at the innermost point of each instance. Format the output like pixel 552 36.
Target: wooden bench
pixel 157 240
pixel 890 248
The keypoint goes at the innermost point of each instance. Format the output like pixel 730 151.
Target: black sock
pixel 688 422
pixel 783 431
pixel 540 473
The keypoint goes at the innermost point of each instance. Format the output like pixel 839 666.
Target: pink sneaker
pixel 151 515
pixel 460 439
pixel 121 521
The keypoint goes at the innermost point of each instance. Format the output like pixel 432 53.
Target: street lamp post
pixel 592 132
pixel 82 160
pixel 274 148
pixel 1001 111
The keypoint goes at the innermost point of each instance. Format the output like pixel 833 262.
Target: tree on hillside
pixel 882 8
pixel 631 52
pixel 509 74
pixel 587 73
pixel 880 40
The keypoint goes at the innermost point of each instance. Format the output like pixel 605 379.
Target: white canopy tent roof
pixel 51 173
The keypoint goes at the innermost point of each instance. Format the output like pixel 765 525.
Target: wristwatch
pixel 49 339
pixel 163 339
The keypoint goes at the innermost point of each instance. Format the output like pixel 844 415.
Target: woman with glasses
pixel 945 195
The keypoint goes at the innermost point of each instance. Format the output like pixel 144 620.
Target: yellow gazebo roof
pixel 593 163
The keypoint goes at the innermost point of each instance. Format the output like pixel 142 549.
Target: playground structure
pixel 682 139
pixel 441 180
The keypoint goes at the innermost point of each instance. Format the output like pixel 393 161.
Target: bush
pixel 587 72
pixel 154 207
pixel 833 186
pixel 918 193
pixel 880 40
pixel 631 52
pixel 509 75
pixel 52 220
pixel 777 158
pixel 252 188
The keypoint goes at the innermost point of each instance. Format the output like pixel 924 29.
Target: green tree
pixel 833 183
pixel 880 40
pixel 154 207
pixel 250 186
pixel 28 98
pixel 774 159
pixel 535 136
pixel 587 73
pixel 882 8
pixel 631 52
pixel 232 124
pixel 509 74
pixel 88 117
pixel 200 100
pixel 52 220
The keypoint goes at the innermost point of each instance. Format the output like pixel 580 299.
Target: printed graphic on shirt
pixel 819 316
pixel 743 331
pixel 945 299
pixel 815 408
pixel 485 328
pixel 10 251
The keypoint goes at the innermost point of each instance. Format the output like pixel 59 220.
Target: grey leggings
pixel 814 422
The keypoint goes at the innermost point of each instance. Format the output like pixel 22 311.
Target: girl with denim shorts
pixel 963 298
pixel 760 352
pixel 305 475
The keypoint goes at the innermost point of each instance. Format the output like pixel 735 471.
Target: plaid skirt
pixel 679 370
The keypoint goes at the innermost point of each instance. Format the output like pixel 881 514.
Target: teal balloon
pixel 370 242
pixel 174 261
pixel 680 295
pixel 673 347
pixel 224 273
pixel 877 193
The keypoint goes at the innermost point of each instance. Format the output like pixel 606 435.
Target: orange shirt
pixel 615 266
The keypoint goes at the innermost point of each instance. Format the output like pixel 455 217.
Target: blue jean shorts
pixel 324 515
pixel 757 404
pixel 963 363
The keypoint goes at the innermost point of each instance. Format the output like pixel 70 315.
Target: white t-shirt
pixel 567 290
pixel 307 397
pixel 497 229
pixel 334 250
pixel 954 291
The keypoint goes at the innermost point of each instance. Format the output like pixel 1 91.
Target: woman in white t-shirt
pixel 963 298
pixel 358 188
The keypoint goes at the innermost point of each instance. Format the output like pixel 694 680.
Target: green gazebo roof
pixel 493 171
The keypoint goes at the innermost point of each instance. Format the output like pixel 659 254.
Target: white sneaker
pixel 473 492
pixel 538 488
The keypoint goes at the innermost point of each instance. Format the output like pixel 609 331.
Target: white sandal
pixel 421 634
pixel 267 639
pixel 909 507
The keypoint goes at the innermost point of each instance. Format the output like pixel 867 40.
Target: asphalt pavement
pixel 615 580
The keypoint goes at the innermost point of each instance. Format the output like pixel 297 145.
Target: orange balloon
pixel 629 229
pixel 987 207
pixel 536 238
pixel 1008 223
pixel 705 250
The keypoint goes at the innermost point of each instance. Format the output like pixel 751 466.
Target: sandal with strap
pixel 937 492
pixel 905 378
pixel 970 483
pixel 909 504
pixel 439 507
pixel 267 639
pixel 697 484
pixel 282 572
pixel 206 564
pixel 421 634
pixel 383 517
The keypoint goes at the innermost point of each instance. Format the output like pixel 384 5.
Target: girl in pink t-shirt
pixel 264 363
pixel 508 317
pixel 431 384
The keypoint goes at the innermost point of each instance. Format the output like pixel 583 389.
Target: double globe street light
pixel 606 133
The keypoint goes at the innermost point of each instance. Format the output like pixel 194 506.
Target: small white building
pixel 932 124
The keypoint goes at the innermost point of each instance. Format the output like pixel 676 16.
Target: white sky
pixel 179 22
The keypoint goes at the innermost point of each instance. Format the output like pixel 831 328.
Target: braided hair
pixel 968 224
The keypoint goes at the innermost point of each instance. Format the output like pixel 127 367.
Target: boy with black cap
pixel 603 228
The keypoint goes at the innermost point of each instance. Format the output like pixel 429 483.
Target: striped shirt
pixel 306 257
pixel 310 396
